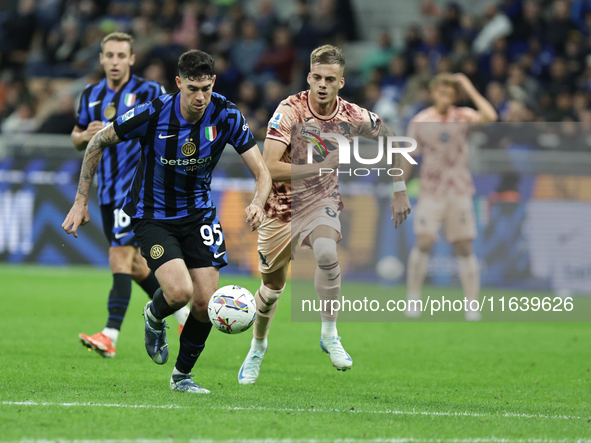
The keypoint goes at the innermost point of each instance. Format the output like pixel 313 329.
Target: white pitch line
pixel 346 440
pixel 262 408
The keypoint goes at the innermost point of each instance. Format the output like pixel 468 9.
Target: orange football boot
pixel 100 343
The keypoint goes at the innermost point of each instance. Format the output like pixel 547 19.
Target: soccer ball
pixel 232 309
pixel 390 268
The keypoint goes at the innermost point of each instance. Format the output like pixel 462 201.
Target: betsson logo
pixel 345 154
pixel 192 163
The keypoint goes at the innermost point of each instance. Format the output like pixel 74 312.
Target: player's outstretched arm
pixel 284 172
pixel 485 108
pixel 400 203
pixel 255 212
pixel 78 215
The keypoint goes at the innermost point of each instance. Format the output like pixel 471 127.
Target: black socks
pixel 150 285
pixel 192 343
pixel 118 300
pixel 159 307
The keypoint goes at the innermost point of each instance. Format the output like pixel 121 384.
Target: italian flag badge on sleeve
pixel 211 133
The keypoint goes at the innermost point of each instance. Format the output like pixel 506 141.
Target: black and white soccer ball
pixel 232 309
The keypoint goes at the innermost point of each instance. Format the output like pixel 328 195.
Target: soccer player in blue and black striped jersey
pixel 182 137
pixel 100 105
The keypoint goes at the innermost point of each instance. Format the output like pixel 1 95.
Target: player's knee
pixel 325 251
pixel 267 297
pixel 463 248
pixel 275 280
pixel 273 286
pixel 139 275
pixel 179 294
pixel 120 260
pixel 198 306
pixel 139 269
pixel 424 244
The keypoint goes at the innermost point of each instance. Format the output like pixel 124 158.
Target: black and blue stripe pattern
pixel 100 103
pixel 173 179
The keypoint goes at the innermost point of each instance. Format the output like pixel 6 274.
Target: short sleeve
pixel 372 125
pixel 469 115
pixel 280 125
pixel 412 131
pixel 134 123
pixel 83 116
pixel 240 136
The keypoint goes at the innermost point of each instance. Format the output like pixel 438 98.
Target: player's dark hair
pixel 196 64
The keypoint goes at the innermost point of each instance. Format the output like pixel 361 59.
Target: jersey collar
pixel 323 117
pixel 123 86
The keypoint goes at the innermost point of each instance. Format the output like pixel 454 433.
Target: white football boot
pixel 339 357
pixel 249 371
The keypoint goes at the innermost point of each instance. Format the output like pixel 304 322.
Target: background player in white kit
pixel 446 191
pixel 317 226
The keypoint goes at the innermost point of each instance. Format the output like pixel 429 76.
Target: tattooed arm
pixel 78 215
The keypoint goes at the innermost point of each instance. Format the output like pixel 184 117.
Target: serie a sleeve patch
pixel 275 120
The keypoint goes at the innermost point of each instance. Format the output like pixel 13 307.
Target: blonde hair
pixel 443 79
pixel 327 55
pixel 118 37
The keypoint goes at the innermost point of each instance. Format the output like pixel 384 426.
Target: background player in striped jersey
pixel 446 184
pixel 317 226
pixel 182 137
pixel 100 105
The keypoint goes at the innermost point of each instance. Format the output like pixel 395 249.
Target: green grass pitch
pixel 410 382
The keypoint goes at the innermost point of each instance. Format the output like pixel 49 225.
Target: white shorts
pixel 277 238
pixel 455 213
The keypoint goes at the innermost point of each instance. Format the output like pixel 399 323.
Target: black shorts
pixel 197 239
pixel 117 225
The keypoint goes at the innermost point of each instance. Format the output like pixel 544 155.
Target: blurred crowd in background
pixel 531 59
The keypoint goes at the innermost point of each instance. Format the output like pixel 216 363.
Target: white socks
pixel 175 371
pixel 329 328
pixel 259 345
pixel 266 300
pixel 415 275
pixel 112 333
pixel 470 276
pixel 327 279
pixel 181 315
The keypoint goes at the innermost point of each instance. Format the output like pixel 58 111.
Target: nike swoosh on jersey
pixel 165 136
pixel 219 255
pixel 93 104
pixel 121 235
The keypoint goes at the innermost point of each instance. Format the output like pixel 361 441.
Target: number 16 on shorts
pixel 120 219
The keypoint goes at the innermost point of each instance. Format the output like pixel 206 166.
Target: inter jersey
pixel 100 103
pixel 173 178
